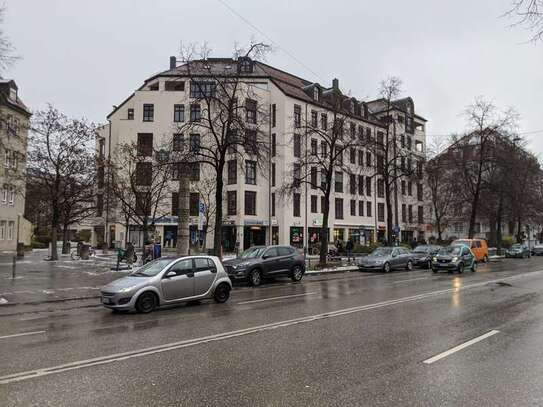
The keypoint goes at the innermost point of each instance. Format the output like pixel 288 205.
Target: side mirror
pixel 170 274
pixel 394 254
pixel 265 257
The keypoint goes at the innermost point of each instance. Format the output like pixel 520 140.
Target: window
pixel 100 175
pixel 315 93
pixel 182 267
pixel 178 142
pixel 314 147
pixel 174 86
pixel 410 213
pixel 339 208
pixel 194 141
pixel 324 121
pixel 274 145
pixel 273 175
pixel 175 204
pixel 250 111
pixel 153 86
pixel 250 203
pixel 274 115
pixel 380 188
pixel 368 186
pixel 195 171
pixel 195 113
pixel 368 159
pixel 324 149
pixel 368 134
pixel 380 163
pixel 380 138
pixel 419 169
pixel 200 90
pixel 5 194
pixel 296 175
pixel 360 133
pixel 381 212
pixel 360 208
pixel 297 141
pixel 339 154
pixel 404 213
pixel 142 204
pixel 338 182
pixel 148 112
pixel 144 173
pixel 368 209
pixel 352 184
pixel 296 205
pixel 232 169
pixel 403 187
pixel 273 204
pixel 297 116
pixel 402 140
pixel 419 192
pixel 178 113
pixel 323 180
pixel 194 204
pixel 130 114
pixel 323 203
pixel 314 119
pixel 250 172
pixel 360 185
pixel 353 207
pixel 11 196
pixel 314 177
pixel 232 203
pixel 408 142
pixel 250 141
pixel 145 144
pixel 314 199
pixel 402 163
pixel 353 131
pixel 420 214
pixel 352 155
pixel 360 158
pixel 11 227
pixel 410 188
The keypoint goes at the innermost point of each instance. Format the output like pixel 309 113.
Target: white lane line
pixel 460 347
pixel 3 301
pixel 101 360
pixel 22 334
pixel 410 279
pixel 276 298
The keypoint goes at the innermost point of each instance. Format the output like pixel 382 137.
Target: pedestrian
pixel 413 243
pixel 349 247
pixel 168 238
pixel 129 254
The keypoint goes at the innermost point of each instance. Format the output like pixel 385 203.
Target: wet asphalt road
pixel 352 339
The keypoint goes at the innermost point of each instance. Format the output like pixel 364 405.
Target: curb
pixel 11 304
pixel 346 269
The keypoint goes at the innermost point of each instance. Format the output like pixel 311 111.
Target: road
pixel 352 339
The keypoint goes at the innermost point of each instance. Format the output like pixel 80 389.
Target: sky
pixel 86 56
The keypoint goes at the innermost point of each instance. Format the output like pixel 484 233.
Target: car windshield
pixel 516 247
pixel 381 252
pixel 421 249
pixel 451 250
pixel 253 253
pixel 152 268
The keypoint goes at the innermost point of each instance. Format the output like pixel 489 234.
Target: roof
pixel 17 104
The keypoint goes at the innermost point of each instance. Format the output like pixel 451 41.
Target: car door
pixel 467 257
pixel 286 258
pixel 205 272
pixel 395 258
pixel 180 285
pixel 270 263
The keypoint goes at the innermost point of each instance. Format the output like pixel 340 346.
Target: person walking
pixel 349 248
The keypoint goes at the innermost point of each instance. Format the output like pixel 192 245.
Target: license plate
pixel 106 301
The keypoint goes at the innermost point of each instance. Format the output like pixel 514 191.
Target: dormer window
pixel 245 65
pixel 316 93
pixel 13 94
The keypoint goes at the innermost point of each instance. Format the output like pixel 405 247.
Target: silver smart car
pixel 168 280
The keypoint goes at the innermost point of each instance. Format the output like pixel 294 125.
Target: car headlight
pixel 241 265
pixel 434 259
pixel 126 289
pixel 454 259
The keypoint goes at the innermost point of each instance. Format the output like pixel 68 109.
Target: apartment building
pixel 14 118
pixel 257 210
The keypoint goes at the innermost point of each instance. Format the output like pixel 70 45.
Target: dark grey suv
pixel 260 262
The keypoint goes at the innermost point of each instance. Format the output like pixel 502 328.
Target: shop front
pixel 254 233
pixel 297 236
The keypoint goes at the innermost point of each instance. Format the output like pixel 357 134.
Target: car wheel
pixel 409 266
pixel 297 273
pixel 146 302
pixel 461 268
pixel 222 293
pixel 485 259
pixel 474 266
pixel 386 267
pixel 255 277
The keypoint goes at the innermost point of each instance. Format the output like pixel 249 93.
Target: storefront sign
pixel 258 222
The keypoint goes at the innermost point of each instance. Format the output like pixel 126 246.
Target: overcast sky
pixel 85 56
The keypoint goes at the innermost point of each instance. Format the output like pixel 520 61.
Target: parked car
pixel 386 259
pixel 260 262
pixel 457 257
pixel 537 250
pixel 168 280
pixel 518 250
pixel 422 255
pixel 478 247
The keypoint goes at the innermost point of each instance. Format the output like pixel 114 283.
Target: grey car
pixel 168 280
pixel 386 259
pixel 260 262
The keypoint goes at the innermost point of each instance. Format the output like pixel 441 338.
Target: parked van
pixel 479 247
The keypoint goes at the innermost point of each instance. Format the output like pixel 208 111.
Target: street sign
pixel 396 229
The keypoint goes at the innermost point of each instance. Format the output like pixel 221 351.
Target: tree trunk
pixel 473 214
pixel 217 230
pixel 54 229
pixel 389 213
pixel 519 230
pixel 323 233
pixel 145 228
pixel 65 249
pixel 499 216
pixel 183 226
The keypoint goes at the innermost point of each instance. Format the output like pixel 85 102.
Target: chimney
pixel 173 62
pixel 335 84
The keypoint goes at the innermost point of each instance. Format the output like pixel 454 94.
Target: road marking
pixel 3 301
pixel 22 334
pixel 460 347
pixel 410 279
pixel 275 298
pixel 102 360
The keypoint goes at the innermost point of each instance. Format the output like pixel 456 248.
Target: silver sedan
pixel 168 280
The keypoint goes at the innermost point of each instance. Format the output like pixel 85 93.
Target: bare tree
pixel 7 50
pixel 206 192
pixel 60 149
pixel 528 14
pixel 228 119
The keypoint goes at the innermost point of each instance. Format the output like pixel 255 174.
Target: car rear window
pixel 285 251
pixel 201 263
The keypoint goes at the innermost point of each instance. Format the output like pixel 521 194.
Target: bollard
pixel 13 267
